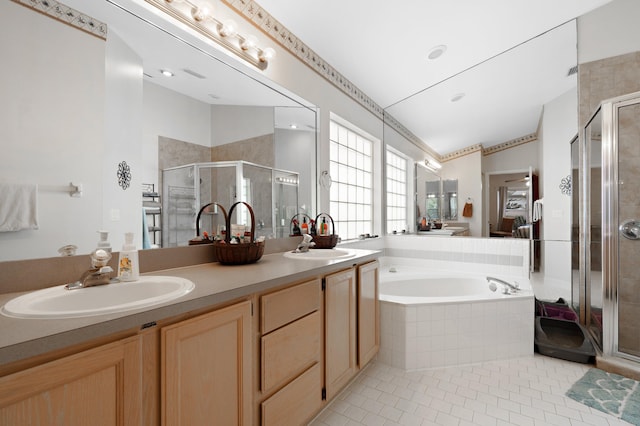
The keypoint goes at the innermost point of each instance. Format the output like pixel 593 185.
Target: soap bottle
pixel 305 226
pixel 324 227
pixel 103 243
pixel 128 267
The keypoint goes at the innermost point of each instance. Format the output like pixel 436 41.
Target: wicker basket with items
pixel 325 237
pixel 239 249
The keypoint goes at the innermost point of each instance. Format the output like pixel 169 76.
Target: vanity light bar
pixel 201 19
pixel 287 180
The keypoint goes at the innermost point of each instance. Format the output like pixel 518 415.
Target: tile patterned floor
pixel 522 391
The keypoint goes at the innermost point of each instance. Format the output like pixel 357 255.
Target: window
pixel 351 195
pixel 396 192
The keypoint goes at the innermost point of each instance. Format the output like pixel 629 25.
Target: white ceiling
pixel 508 57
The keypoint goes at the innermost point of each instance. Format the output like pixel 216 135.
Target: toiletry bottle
pixel 128 267
pixel 305 226
pixel 312 228
pixel 324 227
pixel 296 228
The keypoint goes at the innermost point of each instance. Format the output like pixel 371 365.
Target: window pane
pixel 396 192
pixel 351 199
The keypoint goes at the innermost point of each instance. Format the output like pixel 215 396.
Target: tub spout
pixel 507 288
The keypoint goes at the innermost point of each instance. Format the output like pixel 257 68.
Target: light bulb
pixel 249 42
pixel 228 29
pixel 201 13
pixel 266 54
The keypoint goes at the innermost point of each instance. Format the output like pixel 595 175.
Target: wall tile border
pixel 67 15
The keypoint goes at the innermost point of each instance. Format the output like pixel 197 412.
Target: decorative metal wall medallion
pixel 565 185
pixel 124 175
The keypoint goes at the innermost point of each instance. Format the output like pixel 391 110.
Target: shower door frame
pixel 610 212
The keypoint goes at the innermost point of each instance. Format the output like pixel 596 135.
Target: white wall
pixel 231 123
pixel 559 126
pixel 49 146
pixel 122 208
pixel 293 148
pixel 610 30
pixel 186 119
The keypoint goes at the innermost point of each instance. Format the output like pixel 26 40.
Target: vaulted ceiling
pixel 504 59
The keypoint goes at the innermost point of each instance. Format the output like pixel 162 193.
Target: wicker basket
pixel 196 240
pixel 325 241
pixel 291 233
pixel 238 254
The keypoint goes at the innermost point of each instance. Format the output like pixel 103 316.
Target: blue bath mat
pixel 609 393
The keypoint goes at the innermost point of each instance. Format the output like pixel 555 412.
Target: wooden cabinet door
pixel 340 330
pixel 100 386
pixel 368 313
pixel 206 369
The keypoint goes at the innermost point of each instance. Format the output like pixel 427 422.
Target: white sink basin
pixel 58 302
pixel 320 254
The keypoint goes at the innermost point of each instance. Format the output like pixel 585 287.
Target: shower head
pixel 493 286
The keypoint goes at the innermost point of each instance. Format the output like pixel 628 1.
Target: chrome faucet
pixel 507 288
pixel 99 274
pixel 305 244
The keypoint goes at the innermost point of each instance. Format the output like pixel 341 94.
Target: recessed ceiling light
pixel 457 97
pixel 167 73
pixel 436 52
pixel 293 126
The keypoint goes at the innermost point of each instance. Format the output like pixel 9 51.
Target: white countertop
pixel 214 284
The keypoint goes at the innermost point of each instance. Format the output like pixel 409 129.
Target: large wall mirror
pixel 81 108
pixel 436 198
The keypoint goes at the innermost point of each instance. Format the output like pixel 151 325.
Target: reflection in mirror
pixel 427 185
pixel 450 199
pixel 575 224
pixel 188 189
pixel 129 112
pixel 594 279
pixel 436 198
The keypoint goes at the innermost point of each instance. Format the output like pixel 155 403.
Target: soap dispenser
pixel 128 267
pixel 104 243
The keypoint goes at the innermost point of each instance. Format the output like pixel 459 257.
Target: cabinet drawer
pixel 297 402
pixel 290 350
pixel 285 306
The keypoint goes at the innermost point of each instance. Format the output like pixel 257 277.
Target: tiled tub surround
pixel 450 332
pixel 497 256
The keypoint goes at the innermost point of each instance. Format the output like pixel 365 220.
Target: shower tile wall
pixel 604 79
pixel 628 250
pixel 173 152
pixel 258 150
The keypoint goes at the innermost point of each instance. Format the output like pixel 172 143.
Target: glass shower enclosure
pixel 609 284
pixel 272 194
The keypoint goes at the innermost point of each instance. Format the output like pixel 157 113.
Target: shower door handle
pixel 630 229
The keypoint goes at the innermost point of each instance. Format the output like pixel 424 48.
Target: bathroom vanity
pixel 269 343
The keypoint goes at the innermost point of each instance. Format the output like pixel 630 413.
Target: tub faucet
pixel 305 244
pixel 507 288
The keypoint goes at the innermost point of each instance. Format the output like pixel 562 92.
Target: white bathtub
pixel 437 319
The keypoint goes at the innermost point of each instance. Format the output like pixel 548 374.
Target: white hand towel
pixel 537 210
pixel 18 207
